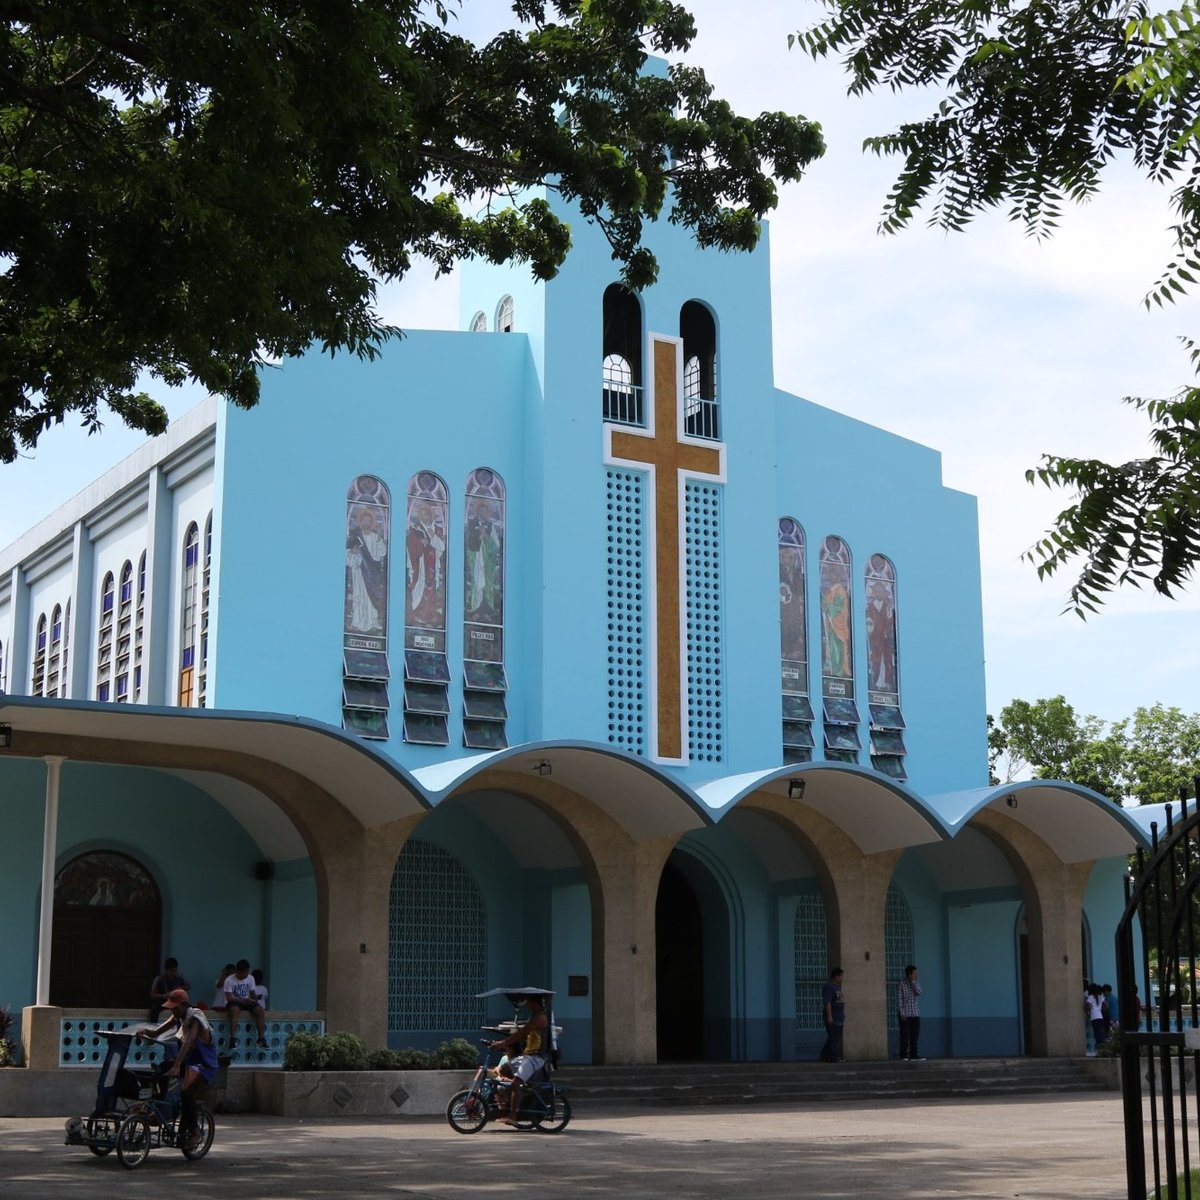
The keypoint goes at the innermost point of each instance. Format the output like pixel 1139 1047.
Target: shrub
pixel 8 1050
pixel 455 1054
pixel 346 1052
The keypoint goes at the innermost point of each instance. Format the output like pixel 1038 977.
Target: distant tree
pixel 191 189
pixel 1160 753
pixel 1047 739
pixel 1031 102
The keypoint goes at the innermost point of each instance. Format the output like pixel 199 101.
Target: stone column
pixel 624 949
pixel 353 934
pixel 1053 894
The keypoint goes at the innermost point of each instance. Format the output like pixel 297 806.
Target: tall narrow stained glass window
pixel 837 653
pixel 65 688
pixel 426 671
pixel 38 687
pixel 54 663
pixel 883 670
pixel 139 627
pixel 124 633
pixel 104 638
pixel 205 589
pixel 365 670
pixel 793 644
pixel 3 677
pixel 485 685
pixel 188 605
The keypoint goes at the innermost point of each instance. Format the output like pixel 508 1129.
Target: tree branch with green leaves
pixel 1032 101
pixel 193 190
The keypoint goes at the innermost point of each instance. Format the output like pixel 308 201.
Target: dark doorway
pixel 680 969
pixel 1026 998
pixel 107 922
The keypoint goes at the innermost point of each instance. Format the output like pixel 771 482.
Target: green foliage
pixel 346 1052
pixel 192 191
pixel 325 1052
pixel 1047 738
pixel 1032 102
pixel 1145 758
pixel 8 1049
pixel 456 1053
pixel 400 1060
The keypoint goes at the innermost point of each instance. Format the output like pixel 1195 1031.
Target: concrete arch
pixel 1076 822
pixel 643 800
pixel 622 874
pixel 875 812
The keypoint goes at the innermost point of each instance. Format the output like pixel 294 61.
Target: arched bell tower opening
pixel 622 353
pixel 698 330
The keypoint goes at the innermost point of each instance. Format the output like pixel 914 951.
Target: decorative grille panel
pixel 898 948
pixel 626 611
pixel 704 648
pixel 437 952
pixel 811 948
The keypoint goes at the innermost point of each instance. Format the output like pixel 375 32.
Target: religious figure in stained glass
pixel 836 640
pixel 368 509
pixel 793 607
pixel 104 879
pixel 483 583
pixel 882 661
pixel 425 551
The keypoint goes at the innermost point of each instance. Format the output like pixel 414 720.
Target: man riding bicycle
pixel 533 1035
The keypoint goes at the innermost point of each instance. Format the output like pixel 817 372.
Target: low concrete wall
pixel 355 1093
pixel 72 1092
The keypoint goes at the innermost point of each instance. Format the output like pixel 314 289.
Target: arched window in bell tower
pixel 622 353
pixel 699 333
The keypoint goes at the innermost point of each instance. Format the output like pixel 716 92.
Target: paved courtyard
pixel 1027 1147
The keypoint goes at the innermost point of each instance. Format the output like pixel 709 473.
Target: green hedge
pixel 348 1052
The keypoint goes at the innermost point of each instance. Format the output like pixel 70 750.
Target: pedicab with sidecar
pixel 138 1109
pixel 543 1105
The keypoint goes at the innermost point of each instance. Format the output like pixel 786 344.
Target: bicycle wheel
pixel 558 1118
pixel 467 1112
pixel 133 1140
pixel 206 1130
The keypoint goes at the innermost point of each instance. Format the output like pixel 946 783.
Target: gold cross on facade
pixel 671 457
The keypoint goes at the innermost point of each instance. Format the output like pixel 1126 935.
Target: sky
pixel 989 346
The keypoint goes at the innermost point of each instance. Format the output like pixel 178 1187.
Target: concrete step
pixel 671 1084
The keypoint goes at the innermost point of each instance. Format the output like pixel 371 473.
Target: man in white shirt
pixel 240 998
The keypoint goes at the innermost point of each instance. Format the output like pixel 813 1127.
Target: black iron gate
pixel 1160 1012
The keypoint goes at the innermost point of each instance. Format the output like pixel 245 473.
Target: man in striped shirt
pixel 908 992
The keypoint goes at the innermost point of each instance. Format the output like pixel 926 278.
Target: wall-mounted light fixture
pixel 795 789
pixel 543 767
pixel 1011 801
pixel 5 736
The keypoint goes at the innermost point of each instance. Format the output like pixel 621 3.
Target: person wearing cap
pixel 533 1036
pixel 195 1062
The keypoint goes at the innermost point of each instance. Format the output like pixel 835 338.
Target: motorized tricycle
pixel 543 1105
pixel 137 1110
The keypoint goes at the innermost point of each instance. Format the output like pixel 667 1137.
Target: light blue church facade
pixel 563 649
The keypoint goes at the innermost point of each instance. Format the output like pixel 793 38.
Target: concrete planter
pixel 353 1093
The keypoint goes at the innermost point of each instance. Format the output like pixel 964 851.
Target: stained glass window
pixel 139 627
pixel 189 596
pixel 425 600
pixel 883 669
pixel 793 643
pixel 837 652
pixel 484 711
pixel 365 672
pixel 205 588
pixel 105 879
pixel 124 632
pixel 39 657
pixel 65 688
pixel 104 639
pixel 54 664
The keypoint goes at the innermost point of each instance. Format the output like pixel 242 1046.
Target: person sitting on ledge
pixel 240 998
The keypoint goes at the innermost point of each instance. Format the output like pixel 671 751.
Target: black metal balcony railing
pixel 623 402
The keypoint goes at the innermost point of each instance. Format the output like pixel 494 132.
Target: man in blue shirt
pixel 834 1005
